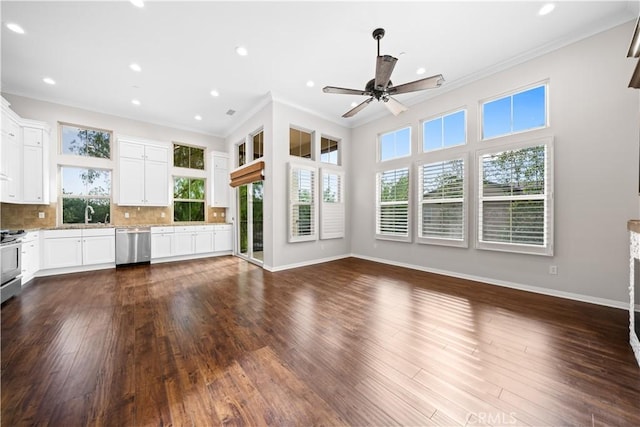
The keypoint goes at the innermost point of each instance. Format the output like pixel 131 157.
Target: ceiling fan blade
pixel 427 83
pixel 357 108
pixel 343 91
pixel 384 68
pixel 395 106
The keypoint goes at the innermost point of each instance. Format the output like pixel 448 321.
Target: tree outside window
pixel 188 199
pixel 86 142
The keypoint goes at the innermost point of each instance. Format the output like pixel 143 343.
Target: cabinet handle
pixel 10 134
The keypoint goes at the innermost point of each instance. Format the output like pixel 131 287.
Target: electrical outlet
pixel 126 214
pixel 222 214
pixel 41 215
pixel 162 215
pixel 553 269
pixel 215 214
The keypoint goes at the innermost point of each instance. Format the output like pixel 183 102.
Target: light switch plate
pixel 41 215
pixel 126 214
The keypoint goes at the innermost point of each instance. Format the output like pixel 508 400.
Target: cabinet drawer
pixel 184 229
pixel 90 232
pixel 202 228
pixel 32 137
pixel 131 150
pixel 52 234
pixel 161 230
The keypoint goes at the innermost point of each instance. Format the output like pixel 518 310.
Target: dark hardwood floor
pixel 220 341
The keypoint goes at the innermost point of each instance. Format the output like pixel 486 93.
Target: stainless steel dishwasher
pixel 133 245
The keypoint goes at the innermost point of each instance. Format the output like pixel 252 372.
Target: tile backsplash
pixel 26 217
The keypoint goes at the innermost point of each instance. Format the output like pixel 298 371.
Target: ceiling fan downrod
pixel 378 33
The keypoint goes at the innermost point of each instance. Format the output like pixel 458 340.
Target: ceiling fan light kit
pixel 381 88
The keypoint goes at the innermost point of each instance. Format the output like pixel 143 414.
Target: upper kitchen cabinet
pixel 143 173
pixel 24 159
pixel 219 180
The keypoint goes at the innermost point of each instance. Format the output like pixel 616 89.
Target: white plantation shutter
pixel 515 211
pixel 302 203
pixel 392 211
pixel 441 211
pixel 332 210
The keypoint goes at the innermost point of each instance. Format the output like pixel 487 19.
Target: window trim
pixel 249 151
pixel 548 197
pixel 379 144
pixel 512 93
pixel 314 203
pixel 443 156
pixel 442 116
pixel 378 204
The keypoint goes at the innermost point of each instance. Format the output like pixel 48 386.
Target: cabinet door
pixel 183 243
pixel 32 136
pixel 221 188
pixel 156 176
pixel 131 150
pixel 12 168
pixel 98 250
pixel 161 245
pixel 223 240
pixel 131 182
pixel 156 154
pixel 203 242
pixel 62 252
pixel 30 259
pixel 32 182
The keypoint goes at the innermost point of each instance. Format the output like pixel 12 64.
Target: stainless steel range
pixel 11 252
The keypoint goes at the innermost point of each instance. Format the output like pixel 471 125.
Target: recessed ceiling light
pixel 546 9
pixel 198 117
pixel 15 28
pixel 137 3
pixel 242 51
pixel 354 104
pixel 135 102
pixel 49 81
pixel 421 71
pixel 310 83
pixel 215 93
pixel 135 67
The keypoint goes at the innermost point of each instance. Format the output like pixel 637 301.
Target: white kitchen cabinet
pixel 30 256
pixel 73 248
pixel 203 241
pixel 222 238
pixel 183 241
pixel 33 188
pixel 143 174
pixel 12 160
pixel 161 242
pixel 219 180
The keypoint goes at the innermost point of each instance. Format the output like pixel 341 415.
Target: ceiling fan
pixel 381 88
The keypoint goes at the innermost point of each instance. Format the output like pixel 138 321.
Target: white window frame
pixel 312 135
pixel 293 202
pixel 338 153
pixel 250 151
pixel 332 214
pixel 511 94
pixel 442 117
pixel 380 135
pixel 379 204
pixel 61 196
pixel 444 241
pixel 547 248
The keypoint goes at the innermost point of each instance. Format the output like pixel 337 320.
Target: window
pixel 521 111
pixel 515 199
pixel 86 195
pixel 300 143
pixel 84 141
pixel 395 144
pixel 392 211
pixel 444 131
pixel 242 153
pixel 302 206
pixel 188 157
pixel 442 203
pixel 188 199
pixel 329 151
pixel 258 145
pixel 332 210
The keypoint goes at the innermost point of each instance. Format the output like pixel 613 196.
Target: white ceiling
pixel 186 49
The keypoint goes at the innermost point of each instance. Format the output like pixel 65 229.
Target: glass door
pixel 250 225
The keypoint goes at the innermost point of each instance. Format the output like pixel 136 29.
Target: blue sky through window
pixel 395 144
pixel 445 131
pixel 515 113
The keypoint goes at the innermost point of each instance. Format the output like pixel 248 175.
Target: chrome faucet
pixel 106 218
pixel 87 217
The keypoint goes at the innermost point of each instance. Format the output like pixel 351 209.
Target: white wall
pixel 594 119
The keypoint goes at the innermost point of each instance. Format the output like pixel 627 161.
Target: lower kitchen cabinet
pixel 185 240
pixel 161 242
pixel 73 248
pixel 30 256
pixel 222 238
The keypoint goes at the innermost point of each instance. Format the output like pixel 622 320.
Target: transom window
pixel 515 203
pixel 392 210
pixel 514 113
pixel 188 199
pixel 85 141
pixel 258 145
pixel 395 144
pixel 185 156
pixel 242 153
pixel 300 143
pixel 444 131
pixel 329 151
pixel 86 195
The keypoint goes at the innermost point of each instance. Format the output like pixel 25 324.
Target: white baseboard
pixel 504 283
pixel 189 257
pixel 304 263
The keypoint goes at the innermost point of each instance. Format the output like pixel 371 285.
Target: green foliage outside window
pixel 85 142
pixel 188 196
pixel 188 157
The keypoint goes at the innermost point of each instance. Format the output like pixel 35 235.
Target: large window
pixel 300 143
pixel 515 199
pixel 85 195
pixel 442 203
pixel 329 151
pixel 188 199
pixel 514 113
pixel 302 203
pixel 444 131
pixel 185 156
pixel 332 210
pixel 85 141
pixel 395 144
pixel 392 210
pixel 258 145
